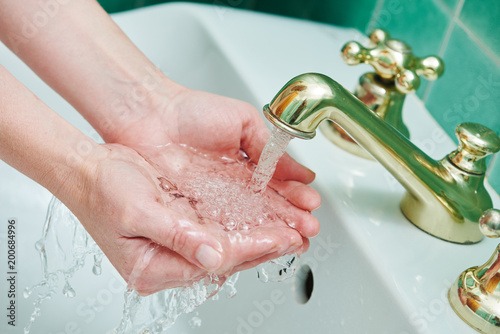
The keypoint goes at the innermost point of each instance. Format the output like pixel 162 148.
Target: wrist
pixel 38 142
pixel 71 170
pixel 135 101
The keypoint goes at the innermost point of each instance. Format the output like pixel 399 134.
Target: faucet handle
pixel 475 143
pixel 489 223
pixel 393 60
pixel 475 295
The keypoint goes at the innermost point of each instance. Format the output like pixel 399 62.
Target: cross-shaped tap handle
pixel 393 60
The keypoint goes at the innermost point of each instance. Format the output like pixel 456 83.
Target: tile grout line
pixel 449 30
pixel 484 47
pixel 373 20
pixel 446 40
pixel 473 36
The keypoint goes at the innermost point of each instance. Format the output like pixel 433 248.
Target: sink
pixel 368 271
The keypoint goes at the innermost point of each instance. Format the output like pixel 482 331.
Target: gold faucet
pixel 397 73
pixel 475 295
pixel 445 198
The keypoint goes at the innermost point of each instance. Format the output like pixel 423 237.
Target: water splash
pixel 278 270
pixel 206 193
pixel 158 312
pixel 62 258
pixel 63 248
pixel 195 322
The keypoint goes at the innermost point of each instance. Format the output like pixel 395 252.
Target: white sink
pixel 372 270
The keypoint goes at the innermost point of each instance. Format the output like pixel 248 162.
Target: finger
pixel 210 248
pixel 189 239
pixel 297 193
pixel 247 246
pixel 250 264
pixel 302 221
pixel 289 169
pixel 158 268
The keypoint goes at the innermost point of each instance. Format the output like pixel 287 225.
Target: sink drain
pixel 304 283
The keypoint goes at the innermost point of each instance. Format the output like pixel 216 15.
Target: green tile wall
pixel 482 18
pixel 451 4
pixel 470 90
pixel 422 24
pixel 465 33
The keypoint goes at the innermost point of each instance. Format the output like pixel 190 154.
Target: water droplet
pixel 195 322
pixel 68 291
pixel 27 292
pixel 166 185
pixel 96 269
pixel 39 245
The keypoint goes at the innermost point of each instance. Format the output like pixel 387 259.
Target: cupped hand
pixel 156 246
pixel 224 127
pixel 156 240
pixel 114 191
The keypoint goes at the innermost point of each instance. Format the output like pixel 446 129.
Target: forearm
pixel 77 49
pixel 39 143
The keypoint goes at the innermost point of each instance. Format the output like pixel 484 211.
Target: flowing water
pixel 63 250
pixel 207 189
pixel 272 152
pixel 284 267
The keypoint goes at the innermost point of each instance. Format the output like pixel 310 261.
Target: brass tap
pixel 445 198
pixel 475 295
pixel 397 73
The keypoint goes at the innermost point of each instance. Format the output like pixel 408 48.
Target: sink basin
pixel 368 271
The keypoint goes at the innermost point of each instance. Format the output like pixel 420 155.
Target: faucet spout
pixel 443 197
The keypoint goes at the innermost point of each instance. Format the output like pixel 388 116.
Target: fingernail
pixel 312 177
pixel 208 257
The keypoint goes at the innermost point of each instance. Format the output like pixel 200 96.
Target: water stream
pixel 272 152
pixel 284 267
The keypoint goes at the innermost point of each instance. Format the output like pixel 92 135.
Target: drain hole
pixel 304 283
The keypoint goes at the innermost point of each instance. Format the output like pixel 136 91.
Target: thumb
pixel 189 239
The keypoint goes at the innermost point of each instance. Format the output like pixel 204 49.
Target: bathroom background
pixel 464 33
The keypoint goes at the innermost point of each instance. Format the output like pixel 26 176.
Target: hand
pixel 111 191
pixel 196 118
pixel 156 246
pixel 221 126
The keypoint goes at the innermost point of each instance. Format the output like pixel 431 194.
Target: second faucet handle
pixel 393 60
pixel 475 295
pixel 489 223
pixel 475 143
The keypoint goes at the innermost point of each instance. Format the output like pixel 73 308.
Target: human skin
pixel 81 53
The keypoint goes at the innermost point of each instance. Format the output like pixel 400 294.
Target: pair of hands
pixel 84 56
pixel 156 247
